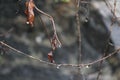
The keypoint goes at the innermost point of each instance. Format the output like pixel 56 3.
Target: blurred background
pixel 95 22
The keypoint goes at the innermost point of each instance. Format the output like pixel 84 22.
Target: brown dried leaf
pixel 50 57
pixel 29 12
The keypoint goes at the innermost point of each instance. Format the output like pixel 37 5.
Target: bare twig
pixel 20 52
pixel 60 65
pixel 46 31
pixel 78 32
pixel 79 57
pixel 53 23
pixel 105 53
pixel 113 10
pixel 108 40
pixel 54 41
pixel 114 7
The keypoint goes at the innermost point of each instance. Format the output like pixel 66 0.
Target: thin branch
pixel 78 32
pixel 20 52
pixel 53 23
pixel 60 65
pixel 114 7
pixel 105 53
pixel 112 10
pixel 79 57
pixel 46 31
pixel 108 40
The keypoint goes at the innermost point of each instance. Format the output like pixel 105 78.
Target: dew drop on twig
pixel 59 46
pixel 87 66
pixel 86 19
pixel 58 66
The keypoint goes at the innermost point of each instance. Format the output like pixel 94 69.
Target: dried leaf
pixel 29 12
pixel 50 57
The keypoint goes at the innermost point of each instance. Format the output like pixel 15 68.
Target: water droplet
pixel 87 66
pixel 86 20
pixel 58 67
pixel 59 46
pixel 27 22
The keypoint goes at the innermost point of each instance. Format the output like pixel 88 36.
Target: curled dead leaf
pixel 29 11
pixel 50 57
